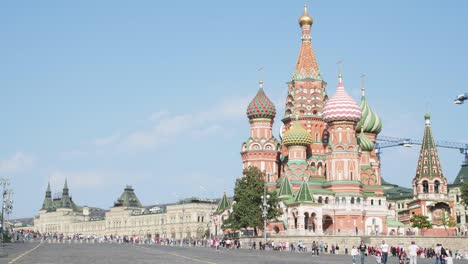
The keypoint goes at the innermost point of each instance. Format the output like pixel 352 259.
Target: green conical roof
pixel 304 194
pixel 223 204
pixel 365 143
pixel 370 122
pixel 285 189
pixel 48 204
pixel 128 198
pixel 297 135
pixel 462 176
pixel 428 163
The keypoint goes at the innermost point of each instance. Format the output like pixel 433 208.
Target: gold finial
pixel 305 19
pixel 363 89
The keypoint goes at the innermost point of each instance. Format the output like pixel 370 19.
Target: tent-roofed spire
pixel 223 204
pixel 306 66
pixel 285 189
pixel 304 194
pixel 428 163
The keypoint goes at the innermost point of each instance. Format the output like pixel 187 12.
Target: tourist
pixel 413 253
pixel 384 250
pixel 362 249
pixel 354 253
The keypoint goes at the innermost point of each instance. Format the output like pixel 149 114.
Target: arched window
pixel 380 202
pixel 343 200
pixel 358 200
pixel 337 200
pixel 372 202
pixel 425 185
pixel 352 200
pixel 326 200
pixel 436 186
pixel 320 199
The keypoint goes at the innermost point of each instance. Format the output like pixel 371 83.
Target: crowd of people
pixel 381 252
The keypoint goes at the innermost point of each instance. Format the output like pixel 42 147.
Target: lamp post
pixel 6 208
pixel 265 206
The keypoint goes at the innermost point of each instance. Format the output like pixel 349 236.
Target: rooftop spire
pixel 428 163
pixel 306 66
pixel 48 191
pixel 65 188
pixel 223 204
pixel 363 89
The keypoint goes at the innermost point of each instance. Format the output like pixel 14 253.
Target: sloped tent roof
pixel 462 175
pixel 128 198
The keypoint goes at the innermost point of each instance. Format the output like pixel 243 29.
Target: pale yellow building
pixel 189 218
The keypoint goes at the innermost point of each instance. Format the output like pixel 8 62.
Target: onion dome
pixel 297 136
pixel 341 106
pixel 261 106
pixel 370 122
pixel 305 19
pixel 365 143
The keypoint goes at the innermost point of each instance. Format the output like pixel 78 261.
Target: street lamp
pixel 461 98
pixel 7 206
pixel 265 206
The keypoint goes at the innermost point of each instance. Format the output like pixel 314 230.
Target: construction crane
pixel 388 142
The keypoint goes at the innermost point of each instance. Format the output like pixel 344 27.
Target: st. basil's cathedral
pixel 325 168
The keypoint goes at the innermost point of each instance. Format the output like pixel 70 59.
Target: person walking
pixel 413 253
pixel 354 253
pixel 384 249
pixel 362 249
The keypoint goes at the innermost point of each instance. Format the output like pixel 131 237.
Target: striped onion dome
pixel 261 106
pixel 341 106
pixel 297 136
pixel 365 143
pixel 370 122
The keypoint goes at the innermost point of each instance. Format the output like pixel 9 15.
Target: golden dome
pixel 305 19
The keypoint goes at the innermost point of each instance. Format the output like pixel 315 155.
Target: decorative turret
pixel 48 203
pixel 306 66
pixel 341 106
pixel 223 204
pixel 304 194
pixel 285 189
pixel 261 149
pixel 65 191
pixel 297 136
pixel 429 179
pixel 370 122
pixel 261 106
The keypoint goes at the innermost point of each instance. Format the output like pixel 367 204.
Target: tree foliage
pixel 464 194
pixel 247 196
pixel 421 222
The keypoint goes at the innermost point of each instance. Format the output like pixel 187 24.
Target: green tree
pixel 246 211
pixel 464 194
pixel 421 222
pixel 448 222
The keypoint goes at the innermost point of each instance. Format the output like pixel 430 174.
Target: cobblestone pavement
pixel 117 253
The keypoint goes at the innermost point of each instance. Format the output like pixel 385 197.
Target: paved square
pixel 122 253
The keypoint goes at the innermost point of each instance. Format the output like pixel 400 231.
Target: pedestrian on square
pixel 384 249
pixel 413 253
pixel 362 249
pixel 354 253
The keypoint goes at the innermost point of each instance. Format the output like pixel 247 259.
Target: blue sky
pixel 153 93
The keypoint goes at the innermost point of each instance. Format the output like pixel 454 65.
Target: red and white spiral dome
pixel 341 106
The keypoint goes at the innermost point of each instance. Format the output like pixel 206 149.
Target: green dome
pixel 365 143
pixel 427 116
pixel 370 122
pixel 297 136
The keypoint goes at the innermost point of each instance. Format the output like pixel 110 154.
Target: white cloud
pixel 18 162
pixel 107 140
pixel 165 126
